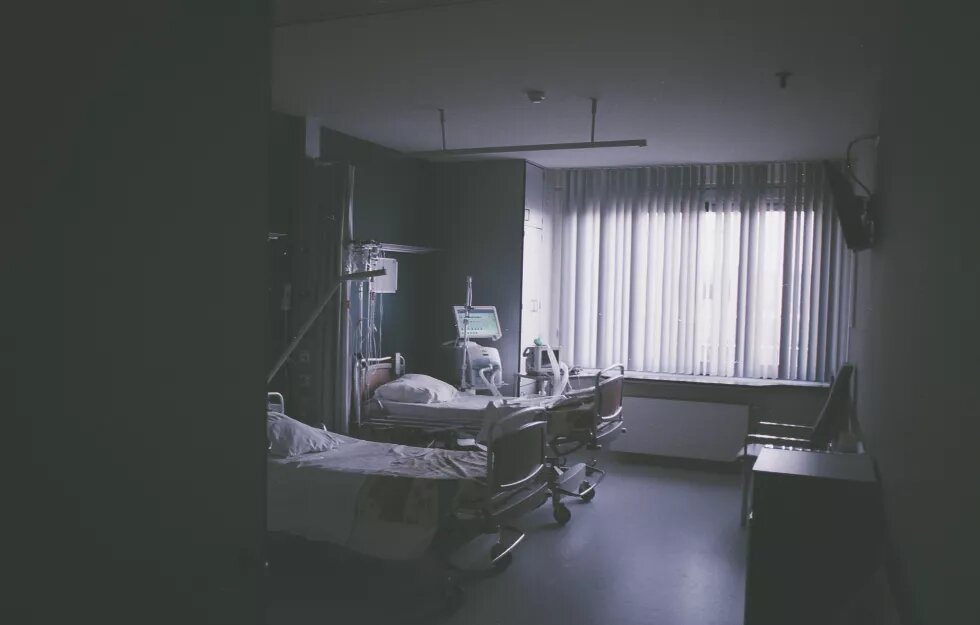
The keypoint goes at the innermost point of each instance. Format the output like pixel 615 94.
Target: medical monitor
pixel 852 211
pixel 481 322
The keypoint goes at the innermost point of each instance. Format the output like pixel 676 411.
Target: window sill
pixel 643 376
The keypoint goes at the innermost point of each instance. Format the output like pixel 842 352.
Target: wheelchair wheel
pixel 584 486
pixel 562 514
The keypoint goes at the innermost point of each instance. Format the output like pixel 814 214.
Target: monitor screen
pixel 482 322
pixel 850 209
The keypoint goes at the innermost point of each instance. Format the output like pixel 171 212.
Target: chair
pixel 831 421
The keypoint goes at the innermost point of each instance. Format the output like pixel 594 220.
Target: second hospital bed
pixel 464 415
pixel 582 419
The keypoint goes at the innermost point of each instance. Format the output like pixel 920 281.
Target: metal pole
pixel 302 332
pixel 595 106
pixel 442 122
pixel 540 147
pixel 463 382
pixel 343 279
pixel 342 396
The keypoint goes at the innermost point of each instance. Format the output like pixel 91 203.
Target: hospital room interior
pixel 561 312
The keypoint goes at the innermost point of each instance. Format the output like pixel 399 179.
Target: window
pixel 714 270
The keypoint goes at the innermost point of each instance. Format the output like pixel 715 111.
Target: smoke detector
pixel 536 96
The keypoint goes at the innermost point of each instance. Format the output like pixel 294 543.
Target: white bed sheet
pixel 354 456
pixel 316 495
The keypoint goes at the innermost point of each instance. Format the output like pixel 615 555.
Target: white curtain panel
pixel 721 270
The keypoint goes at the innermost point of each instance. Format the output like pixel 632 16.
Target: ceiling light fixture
pixel 536 96
pixel 538 147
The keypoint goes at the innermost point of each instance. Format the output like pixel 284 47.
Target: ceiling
pixel 695 78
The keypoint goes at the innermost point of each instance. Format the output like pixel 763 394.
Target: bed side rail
pixel 274 402
pixel 516 450
pixel 609 394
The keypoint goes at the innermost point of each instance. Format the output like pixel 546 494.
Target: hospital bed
pixel 465 416
pixel 583 419
pixel 394 502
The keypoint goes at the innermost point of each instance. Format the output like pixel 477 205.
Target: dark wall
pixel 140 254
pixel 477 215
pixel 308 203
pixel 389 204
pixel 472 213
pixel 286 185
pixel 389 189
pixel 916 333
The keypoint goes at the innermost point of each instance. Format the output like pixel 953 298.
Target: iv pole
pixel 342 388
pixel 463 381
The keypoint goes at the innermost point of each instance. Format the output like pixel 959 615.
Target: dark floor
pixel 657 546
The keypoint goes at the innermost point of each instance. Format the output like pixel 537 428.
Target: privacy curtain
pixel 721 270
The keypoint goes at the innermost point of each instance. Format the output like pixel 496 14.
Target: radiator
pixel 683 429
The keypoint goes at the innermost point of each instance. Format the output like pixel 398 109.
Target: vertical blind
pixel 720 270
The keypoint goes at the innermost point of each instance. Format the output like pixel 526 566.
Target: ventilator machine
pixel 480 367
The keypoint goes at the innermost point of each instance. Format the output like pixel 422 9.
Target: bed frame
pixel 371 373
pixel 516 483
pixel 601 410
pixel 379 371
pixel 375 372
pixel 517 479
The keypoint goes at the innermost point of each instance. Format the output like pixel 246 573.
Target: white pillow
pixel 288 437
pixel 415 388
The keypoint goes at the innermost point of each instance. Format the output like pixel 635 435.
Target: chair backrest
pixel 609 395
pixel 834 415
pixel 599 405
pixel 516 450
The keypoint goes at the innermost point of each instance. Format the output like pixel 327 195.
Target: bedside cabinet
pixel 815 535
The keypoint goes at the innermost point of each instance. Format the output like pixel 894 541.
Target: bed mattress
pixel 378 499
pixel 467 411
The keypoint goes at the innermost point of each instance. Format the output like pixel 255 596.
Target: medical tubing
pixel 558 383
pixel 563 380
pixel 554 367
pixel 493 387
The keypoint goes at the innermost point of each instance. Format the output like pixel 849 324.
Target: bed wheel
pixel 503 562
pixel 562 514
pixel 589 496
